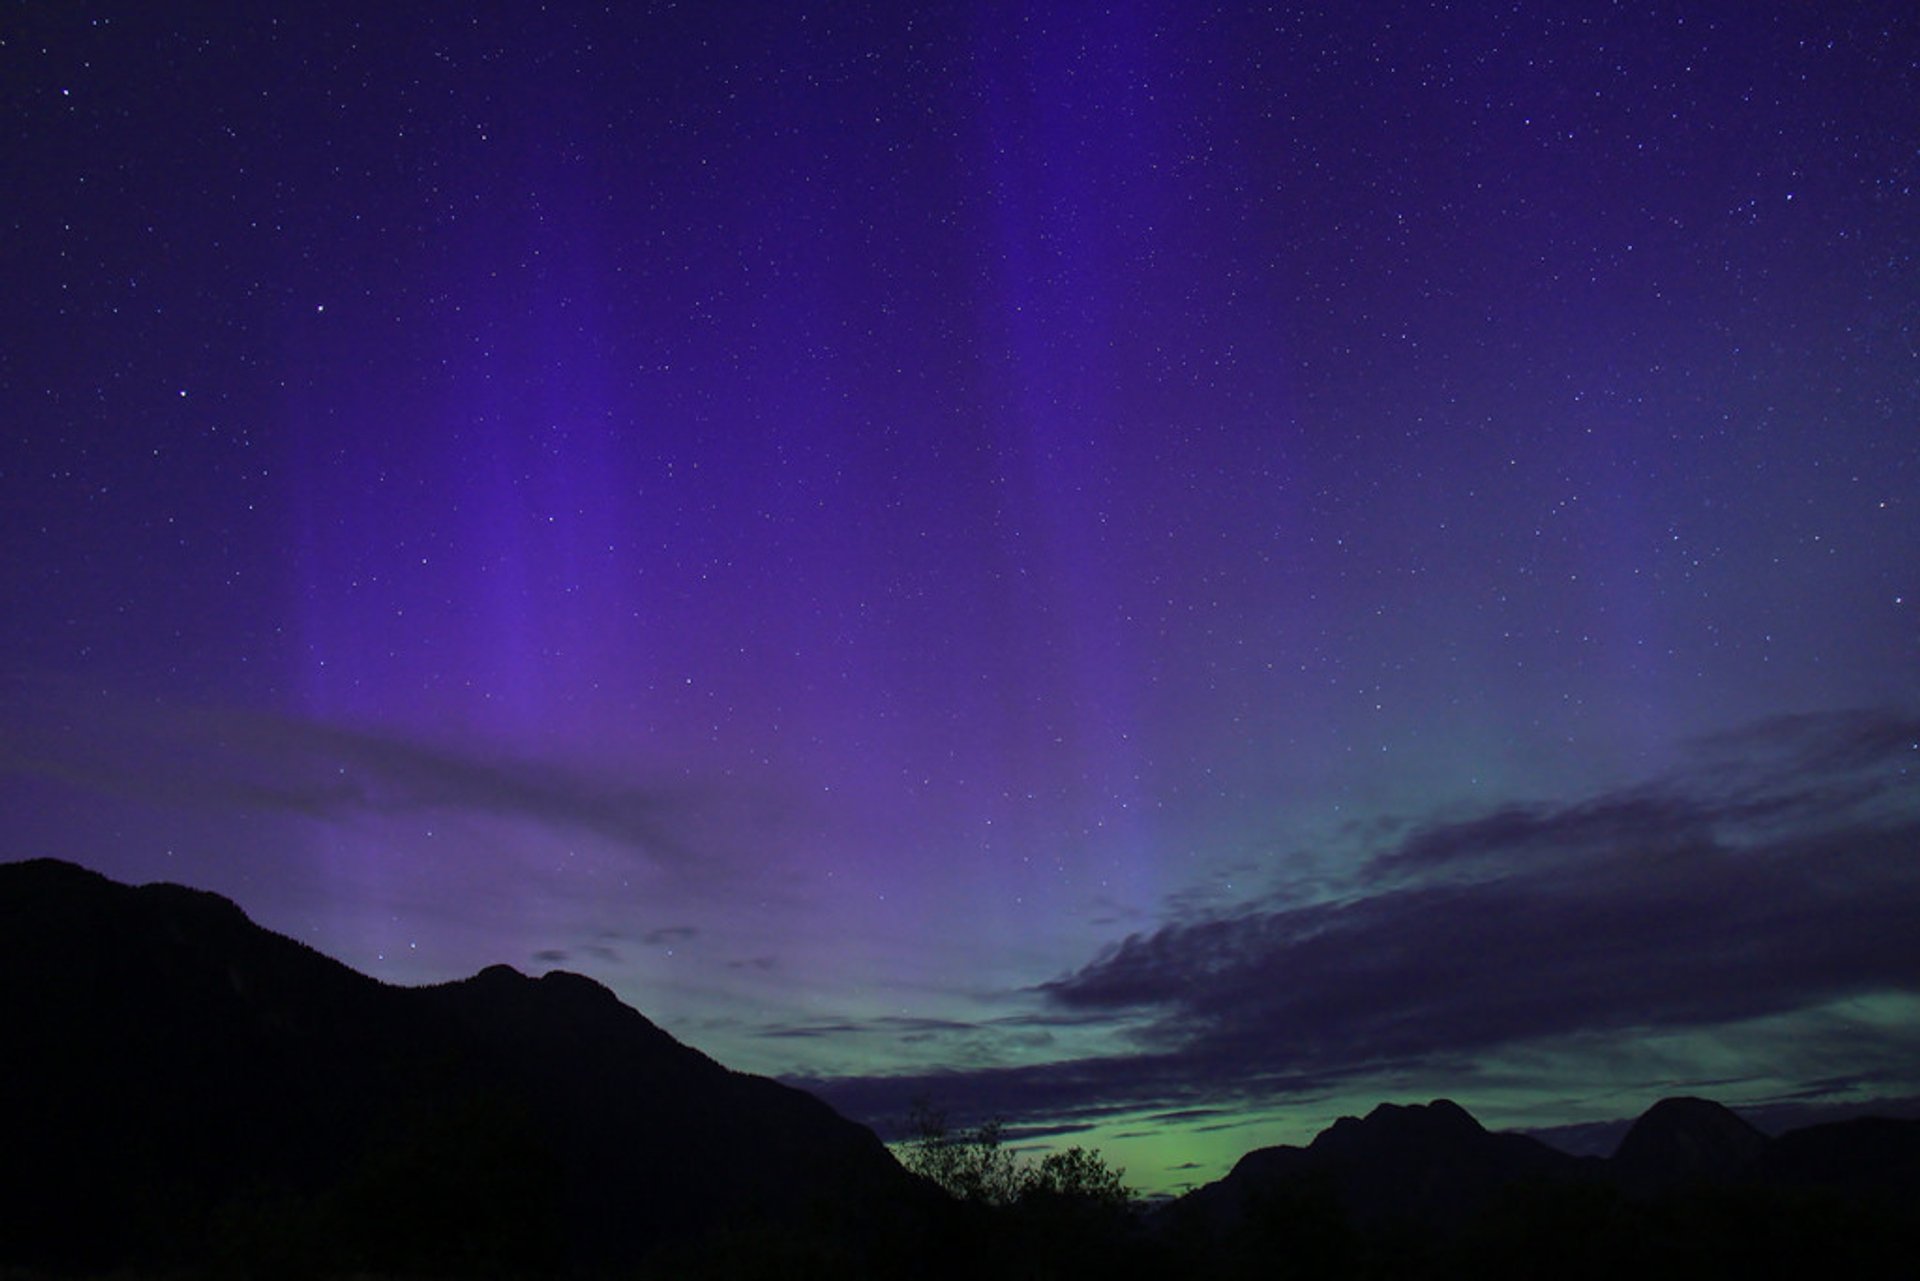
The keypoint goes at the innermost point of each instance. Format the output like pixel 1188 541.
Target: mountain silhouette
pixel 1684 1141
pixel 181 1086
pixel 1430 1164
pixel 1692 1188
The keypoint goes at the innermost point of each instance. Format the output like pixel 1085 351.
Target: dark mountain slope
pixel 178 1084
pixel 651 1128
pixel 1872 1158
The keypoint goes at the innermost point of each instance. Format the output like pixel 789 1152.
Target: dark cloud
pixel 1188 1114
pixel 1667 928
pixel 562 955
pixel 1782 776
pixel 1646 823
pixel 811 1031
pixel 1717 895
pixel 1659 935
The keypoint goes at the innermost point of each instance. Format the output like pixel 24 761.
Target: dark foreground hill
pixel 181 1087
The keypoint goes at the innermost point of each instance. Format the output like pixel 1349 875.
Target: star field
pixel 970 546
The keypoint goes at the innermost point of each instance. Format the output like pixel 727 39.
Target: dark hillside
pixel 180 1085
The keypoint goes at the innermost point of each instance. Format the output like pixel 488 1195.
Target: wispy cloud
pixel 224 759
pixel 670 935
pixel 890 1025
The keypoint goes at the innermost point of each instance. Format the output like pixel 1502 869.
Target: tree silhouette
pixel 969 1165
pixel 1076 1175
pixel 974 1165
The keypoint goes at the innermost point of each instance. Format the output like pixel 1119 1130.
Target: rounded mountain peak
pixel 1399 1125
pixel 1686 1140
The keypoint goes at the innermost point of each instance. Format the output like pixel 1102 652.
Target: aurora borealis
pixel 1163 570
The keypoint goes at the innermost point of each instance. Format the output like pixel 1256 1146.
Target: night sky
pixel 1165 570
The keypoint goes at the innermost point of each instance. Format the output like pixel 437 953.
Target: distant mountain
pixel 1685 1141
pixel 179 1086
pixel 1430 1164
pixel 1425 1190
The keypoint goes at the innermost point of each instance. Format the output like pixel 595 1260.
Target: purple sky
pixel 1165 570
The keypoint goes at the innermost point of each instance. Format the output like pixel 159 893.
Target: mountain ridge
pixel 186 1082
pixel 1434 1165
